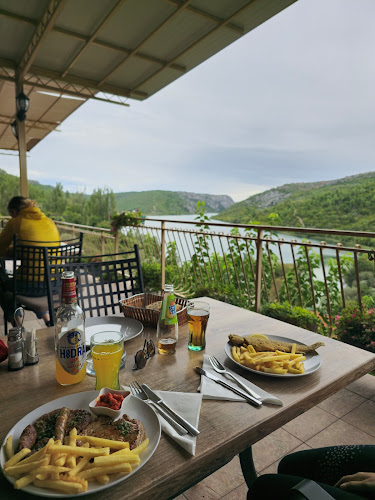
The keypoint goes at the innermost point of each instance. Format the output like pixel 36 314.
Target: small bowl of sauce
pixel 109 402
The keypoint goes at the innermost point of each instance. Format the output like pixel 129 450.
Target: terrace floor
pixel 347 417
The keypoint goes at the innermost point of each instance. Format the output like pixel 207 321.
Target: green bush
pixel 293 315
pixel 152 276
pixel 356 326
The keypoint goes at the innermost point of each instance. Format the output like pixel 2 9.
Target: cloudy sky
pixel 292 101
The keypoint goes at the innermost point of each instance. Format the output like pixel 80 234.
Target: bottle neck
pixel 69 295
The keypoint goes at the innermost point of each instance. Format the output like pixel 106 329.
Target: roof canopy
pixel 109 50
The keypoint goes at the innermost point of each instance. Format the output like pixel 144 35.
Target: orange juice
pixel 106 359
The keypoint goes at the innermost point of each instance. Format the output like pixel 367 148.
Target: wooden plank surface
pixel 226 427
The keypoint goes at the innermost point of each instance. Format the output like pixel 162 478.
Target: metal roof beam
pixel 41 31
pixel 99 43
pixel 181 7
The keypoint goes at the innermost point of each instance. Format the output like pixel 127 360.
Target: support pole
pixel 22 147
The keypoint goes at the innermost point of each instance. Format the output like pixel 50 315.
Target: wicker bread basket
pixel 135 307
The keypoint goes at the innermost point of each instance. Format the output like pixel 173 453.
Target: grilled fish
pixel 261 344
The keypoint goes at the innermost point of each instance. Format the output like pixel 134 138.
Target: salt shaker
pixel 30 351
pixel 15 349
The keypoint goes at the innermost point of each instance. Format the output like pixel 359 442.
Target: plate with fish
pixel 136 423
pixel 271 343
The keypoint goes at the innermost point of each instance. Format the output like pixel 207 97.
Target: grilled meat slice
pixel 56 424
pixel 123 429
pixel 79 419
pixel 261 345
pixel 28 438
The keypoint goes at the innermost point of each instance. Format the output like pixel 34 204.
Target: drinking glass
pixel 198 313
pixel 106 352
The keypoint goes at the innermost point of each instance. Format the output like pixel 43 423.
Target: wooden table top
pixel 227 428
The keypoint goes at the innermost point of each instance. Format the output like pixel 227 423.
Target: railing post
pixel 117 239
pixel 102 239
pixel 258 271
pixel 162 256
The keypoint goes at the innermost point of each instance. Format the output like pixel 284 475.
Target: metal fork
pixel 219 368
pixel 139 393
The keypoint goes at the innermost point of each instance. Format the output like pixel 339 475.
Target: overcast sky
pixel 292 101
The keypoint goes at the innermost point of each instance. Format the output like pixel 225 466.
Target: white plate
pixel 133 407
pixel 128 326
pixel 312 363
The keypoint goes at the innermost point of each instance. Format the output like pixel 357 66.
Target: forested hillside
pixel 79 208
pixel 347 203
pixel 170 202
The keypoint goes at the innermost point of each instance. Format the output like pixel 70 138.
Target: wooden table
pixel 227 428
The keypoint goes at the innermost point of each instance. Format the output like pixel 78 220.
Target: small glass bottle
pixel 15 349
pixel 167 329
pixel 70 347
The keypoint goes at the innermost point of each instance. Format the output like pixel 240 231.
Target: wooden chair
pixel 27 287
pixel 101 281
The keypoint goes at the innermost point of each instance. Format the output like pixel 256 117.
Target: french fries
pixel 67 468
pixel 271 361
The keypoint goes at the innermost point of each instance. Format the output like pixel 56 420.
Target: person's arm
pixel 361 482
pixel 6 237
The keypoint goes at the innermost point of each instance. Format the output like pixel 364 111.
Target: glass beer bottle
pixel 167 329
pixel 70 347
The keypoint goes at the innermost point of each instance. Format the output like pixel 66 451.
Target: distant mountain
pixel 170 202
pixel 347 203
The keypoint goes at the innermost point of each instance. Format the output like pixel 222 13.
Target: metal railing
pixel 245 264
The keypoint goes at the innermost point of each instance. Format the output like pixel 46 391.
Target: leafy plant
pixel 293 315
pixel 356 326
pixel 126 218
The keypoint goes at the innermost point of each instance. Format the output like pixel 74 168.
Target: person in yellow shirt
pixel 30 224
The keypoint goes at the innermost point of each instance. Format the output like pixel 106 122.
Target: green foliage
pixel 126 218
pixel 342 204
pixel 293 315
pixel 356 326
pixel 152 275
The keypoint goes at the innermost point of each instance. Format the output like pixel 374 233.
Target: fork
pixel 219 368
pixel 139 393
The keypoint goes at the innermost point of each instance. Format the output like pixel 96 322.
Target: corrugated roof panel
pixel 83 16
pixel 57 51
pixel 133 72
pixel 95 63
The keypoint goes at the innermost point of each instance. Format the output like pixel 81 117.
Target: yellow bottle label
pixel 71 351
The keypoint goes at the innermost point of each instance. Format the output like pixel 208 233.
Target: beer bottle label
pixel 71 351
pixel 170 311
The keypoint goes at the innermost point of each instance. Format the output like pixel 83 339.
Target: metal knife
pixel 156 399
pixel 249 399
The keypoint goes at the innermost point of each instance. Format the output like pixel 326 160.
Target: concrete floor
pixel 347 417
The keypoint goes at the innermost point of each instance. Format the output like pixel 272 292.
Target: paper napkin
pixel 211 390
pixel 186 404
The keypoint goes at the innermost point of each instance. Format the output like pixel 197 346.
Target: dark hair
pixel 19 202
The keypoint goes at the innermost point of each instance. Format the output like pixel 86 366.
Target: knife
pixel 156 399
pixel 249 399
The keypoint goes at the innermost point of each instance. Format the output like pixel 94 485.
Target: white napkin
pixel 211 390
pixel 186 404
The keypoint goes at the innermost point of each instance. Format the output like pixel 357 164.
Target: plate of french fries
pixel 96 465
pixel 275 363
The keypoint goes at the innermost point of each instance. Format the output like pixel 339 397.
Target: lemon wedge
pixel 257 336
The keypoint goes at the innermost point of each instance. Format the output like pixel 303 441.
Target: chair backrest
pixel 29 259
pixel 101 281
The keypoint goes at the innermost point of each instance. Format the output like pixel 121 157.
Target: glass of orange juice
pixel 106 352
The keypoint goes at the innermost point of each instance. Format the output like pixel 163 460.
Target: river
pixel 286 249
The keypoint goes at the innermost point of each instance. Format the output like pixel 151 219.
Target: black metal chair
pixel 28 287
pixel 101 281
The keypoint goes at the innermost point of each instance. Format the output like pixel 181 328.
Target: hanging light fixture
pixel 14 128
pixel 22 104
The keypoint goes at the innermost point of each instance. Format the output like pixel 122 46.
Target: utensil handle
pixel 247 389
pixel 249 399
pixel 176 426
pixel 190 428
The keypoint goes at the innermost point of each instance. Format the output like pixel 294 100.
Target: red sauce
pixel 110 400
